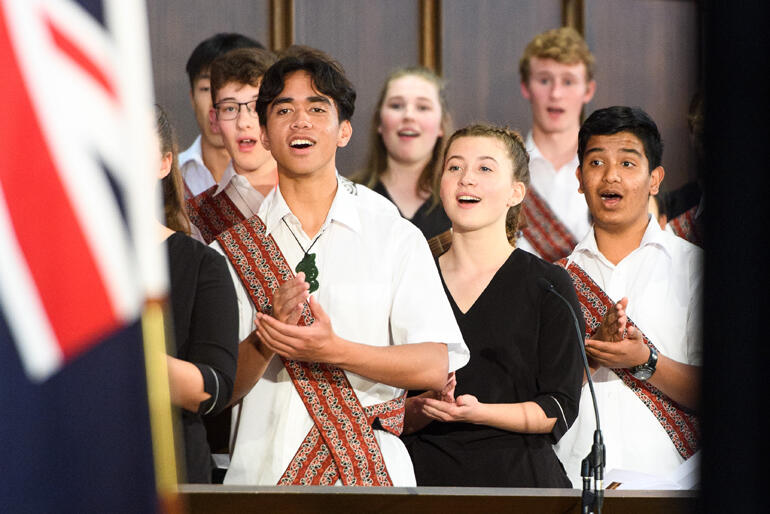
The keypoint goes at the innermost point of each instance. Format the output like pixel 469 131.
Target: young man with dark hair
pixel 251 174
pixel 556 72
pixel 204 162
pixel 364 319
pixel 640 288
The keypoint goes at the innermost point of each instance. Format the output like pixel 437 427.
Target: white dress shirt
pixel 195 174
pixel 663 282
pixel 380 286
pixel 240 191
pixel 559 189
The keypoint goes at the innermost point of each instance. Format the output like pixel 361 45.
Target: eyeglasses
pixel 229 110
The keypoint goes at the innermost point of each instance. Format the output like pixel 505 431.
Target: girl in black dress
pixel 495 422
pixel 201 367
pixel 410 125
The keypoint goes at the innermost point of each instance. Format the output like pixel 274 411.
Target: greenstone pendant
pixel 307 266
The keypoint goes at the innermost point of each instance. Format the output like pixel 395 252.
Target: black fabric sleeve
pixel 214 331
pixel 560 374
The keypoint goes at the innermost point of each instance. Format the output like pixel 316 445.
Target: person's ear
pixel 213 121
pixel 263 137
pixel 656 177
pixel 165 164
pixel 344 134
pixel 579 175
pixel 590 90
pixel 518 190
pixel 525 92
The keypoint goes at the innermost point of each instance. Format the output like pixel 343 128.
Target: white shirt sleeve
pixel 420 310
pixel 246 310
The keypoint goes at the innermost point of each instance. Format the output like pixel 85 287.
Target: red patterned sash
pixel 680 425
pixel 213 214
pixel 685 227
pixel 341 443
pixel 544 231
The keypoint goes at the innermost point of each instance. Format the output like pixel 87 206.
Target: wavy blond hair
pixel 564 45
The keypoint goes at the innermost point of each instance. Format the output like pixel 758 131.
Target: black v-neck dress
pixel 430 219
pixel 523 348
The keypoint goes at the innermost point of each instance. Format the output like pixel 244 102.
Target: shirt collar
pixel 343 210
pixel 194 153
pixel 532 149
pixel 653 236
pixel 227 177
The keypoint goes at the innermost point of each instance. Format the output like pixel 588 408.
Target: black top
pixel 430 219
pixel 523 348
pixel 205 321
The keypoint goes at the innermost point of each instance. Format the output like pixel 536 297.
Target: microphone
pixel 593 465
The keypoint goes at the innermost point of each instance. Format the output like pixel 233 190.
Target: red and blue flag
pixel 77 256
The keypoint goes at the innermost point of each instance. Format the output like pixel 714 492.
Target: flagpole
pixel 159 399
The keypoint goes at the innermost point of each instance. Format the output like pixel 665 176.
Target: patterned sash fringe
pixel 341 444
pixel 680 425
pixel 213 214
pixel 685 227
pixel 545 232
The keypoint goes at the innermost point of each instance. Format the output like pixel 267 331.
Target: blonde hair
pixel 517 152
pixel 564 45
pixel 377 159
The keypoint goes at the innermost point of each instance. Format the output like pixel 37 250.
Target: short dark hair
pixel 326 74
pixel 211 48
pixel 611 120
pixel 242 65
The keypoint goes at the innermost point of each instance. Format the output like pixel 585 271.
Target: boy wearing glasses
pixel 251 173
pixel 203 163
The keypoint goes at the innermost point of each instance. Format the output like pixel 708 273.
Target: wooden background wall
pixel 647 54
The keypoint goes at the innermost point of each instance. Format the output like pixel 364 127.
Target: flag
pixel 78 256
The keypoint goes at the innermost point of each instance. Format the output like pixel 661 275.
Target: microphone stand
pixel 592 467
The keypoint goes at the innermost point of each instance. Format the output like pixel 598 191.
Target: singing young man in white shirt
pixel 556 72
pixel 364 319
pixel 640 289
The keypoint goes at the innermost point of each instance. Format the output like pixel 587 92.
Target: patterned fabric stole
pixel 685 227
pixel 545 232
pixel 341 444
pixel 213 214
pixel 680 424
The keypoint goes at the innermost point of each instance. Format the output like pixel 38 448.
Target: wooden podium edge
pixel 204 499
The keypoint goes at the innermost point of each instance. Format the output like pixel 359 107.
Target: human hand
pixel 614 323
pixel 448 393
pixel 289 299
pixel 314 343
pixel 626 353
pixel 465 408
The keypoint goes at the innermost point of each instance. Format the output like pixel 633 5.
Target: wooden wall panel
pixel 481 46
pixel 647 56
pixel 369 38
pixel 176 27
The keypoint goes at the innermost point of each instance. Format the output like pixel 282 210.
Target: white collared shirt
pixel 195 174
pixel 662 280
pixel 559 189
pixel 240 191
pixel 380 286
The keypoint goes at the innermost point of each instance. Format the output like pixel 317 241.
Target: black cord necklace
pixel 307 264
